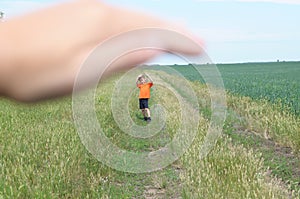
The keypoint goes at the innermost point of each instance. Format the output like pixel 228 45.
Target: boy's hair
pixel 142 77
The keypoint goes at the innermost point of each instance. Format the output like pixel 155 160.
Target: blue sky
pixel 233 30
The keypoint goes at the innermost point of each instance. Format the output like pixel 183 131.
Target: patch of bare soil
pixel 165 185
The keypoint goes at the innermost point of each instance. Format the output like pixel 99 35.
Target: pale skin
pixel 41 52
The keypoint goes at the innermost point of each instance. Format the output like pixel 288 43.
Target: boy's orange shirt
pixel 145 90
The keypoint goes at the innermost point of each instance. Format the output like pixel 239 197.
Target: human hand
pixel 147 76
pixel 42 52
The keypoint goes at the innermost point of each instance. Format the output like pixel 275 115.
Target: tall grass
pixel 41 155
pixel 258 116
pixel 228 172
pixel 268 119
pixel 231 171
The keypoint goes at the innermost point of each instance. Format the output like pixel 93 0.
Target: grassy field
pixel 41 154
pixel 275 82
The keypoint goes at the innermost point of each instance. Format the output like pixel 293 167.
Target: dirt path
pixel 165 184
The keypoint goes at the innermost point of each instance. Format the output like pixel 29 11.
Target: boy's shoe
pixel 145 118
pixel 149 119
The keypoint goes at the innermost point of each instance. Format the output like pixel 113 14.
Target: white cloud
pixel 268 1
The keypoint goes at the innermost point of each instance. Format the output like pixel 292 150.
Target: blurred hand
pixel 41 52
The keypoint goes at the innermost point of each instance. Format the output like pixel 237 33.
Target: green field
pixel 258 155
pixel 275 82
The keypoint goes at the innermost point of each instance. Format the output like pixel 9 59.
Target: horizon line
pixel 254 62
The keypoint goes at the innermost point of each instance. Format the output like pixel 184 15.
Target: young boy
pixel 144 96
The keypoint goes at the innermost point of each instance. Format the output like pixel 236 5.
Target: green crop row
pixel 275 82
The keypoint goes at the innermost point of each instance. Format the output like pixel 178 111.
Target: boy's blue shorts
pixel 144 103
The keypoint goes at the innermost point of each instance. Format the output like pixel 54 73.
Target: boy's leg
pixel 147 110
pixel 143 109
pixel 144 113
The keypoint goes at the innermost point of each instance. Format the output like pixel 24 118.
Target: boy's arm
pixel 137 81
pixel 151 81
